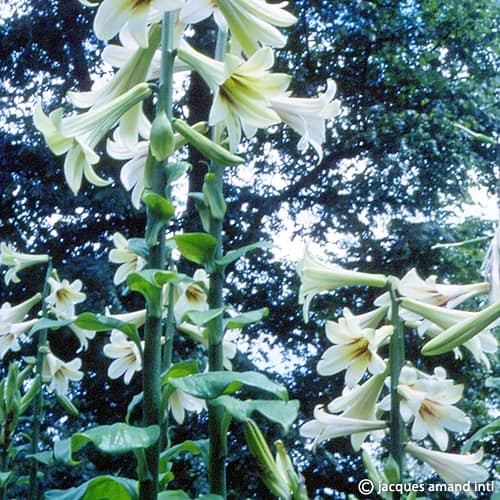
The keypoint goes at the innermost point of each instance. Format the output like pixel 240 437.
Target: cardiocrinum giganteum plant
pixel 149 51
pixel 394 411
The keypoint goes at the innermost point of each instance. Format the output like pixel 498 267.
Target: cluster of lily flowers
pixel 427 401
pixel 247 95
pixel 190 295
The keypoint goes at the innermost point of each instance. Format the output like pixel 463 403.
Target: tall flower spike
pixel 251 22
pixel 17 261
pixel 451 467
pixel 307 116
pixel 317 277
pixel 78 135
pixel 112 15
pixel 243 90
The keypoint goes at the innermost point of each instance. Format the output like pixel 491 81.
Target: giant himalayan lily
pixel 243 90
pixel 359 402
pixel 429 400
pixel 251 22
pixel 452 467
pixel 15 314
pixel 450 296
pixel 459 326
pixel 129 261
pixel 317 277
pixel 64 296
pixel 307 116
pixel 17 261
pixel 327 426
pixel 355 350
pixel 112 15
pixel 127 359
pixel 10 334
pixel 193 295
pixel 77 135
pixel 136 65
pixel 61 372
pixel 179 402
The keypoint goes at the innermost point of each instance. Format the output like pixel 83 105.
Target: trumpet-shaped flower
pixel 317 277
pixel 251 22
pixel 355 350
pixel 112 15
pixel 429 400
pixel 15 314
pixel 10 334
pixel 243 90
pixel 414 287
pixel 17 261
pixel 452 467
pixel 64 296
pixel 129 261
pixel 193 296
pixel 179 402
pixel 307 116
pixel 359 402
pixel 126 355
pixel 78 135
pixel 327 426
pixel 61 372
pixel 83 335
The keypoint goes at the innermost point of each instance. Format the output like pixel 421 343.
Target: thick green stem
pixel 38 400
pixel 153 329
pixel 216 432
pixel 397 359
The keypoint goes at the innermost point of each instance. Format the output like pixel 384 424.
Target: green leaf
pixel 199 447
pixel 214 384
pixel 139 247
pixel 161 138
pixel 234 255
pixel 160 211
pixel 176 170
pixel 491 428
pixel 101 323
pixel 197 247
pixel 49 324
pixel 173 495
pixel 114 439
pixel 246 318
pixel 200 318
pixel 98 488
pixel 5 478
pixel 213 197
pixel 281 412
pixel 180 370
pixel 391 470
pixel 43 457
pixel 202 209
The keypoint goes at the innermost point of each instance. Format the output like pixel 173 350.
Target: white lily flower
pixel 126 355
pixel 370 319
pixel 78 135
pixel 414 287
pixel 64 296
pixel 428 400
pixel 129 261
pixel 307 116
pixel 10 334
pixel 15 314
pixel 243 90
pixel 355 350
pixel 112 15
pixel 452 467
pixel 193 296
pixel 18 261
pixel 317 277
pixel 137 318
pixel 83 336
pixel 251 22
pixel 326 426
pixel 229 347
pixel 359 402
pixel 179 402
pixel 61 372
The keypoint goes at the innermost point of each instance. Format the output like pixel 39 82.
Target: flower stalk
pixel 397 358
pixel 38 399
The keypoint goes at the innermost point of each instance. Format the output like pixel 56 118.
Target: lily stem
pixel 216 431
pixel 38 400
pixel 397 359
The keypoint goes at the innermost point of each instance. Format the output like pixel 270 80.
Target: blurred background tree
pixel 396 178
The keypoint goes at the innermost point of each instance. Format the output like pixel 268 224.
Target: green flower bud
pixel 162 137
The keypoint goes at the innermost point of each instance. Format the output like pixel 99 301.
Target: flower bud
pixel 162 137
